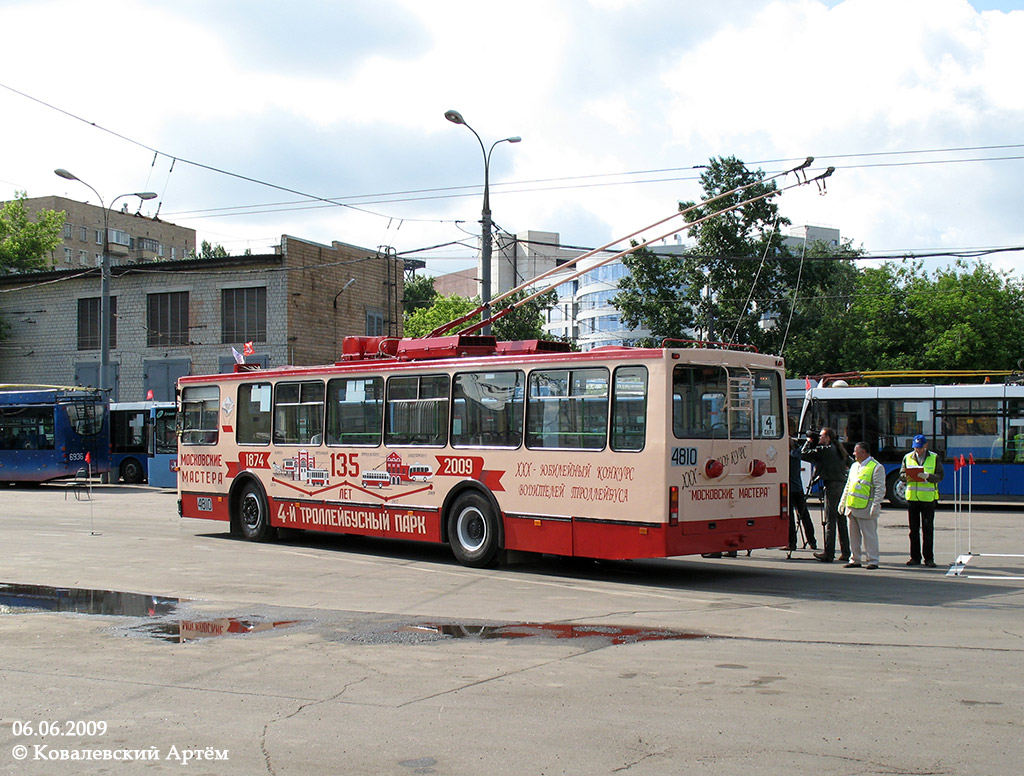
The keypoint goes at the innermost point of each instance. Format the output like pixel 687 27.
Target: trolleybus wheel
pixel 131 471
pixel 473 531
pixel 896 490
pixel 253 514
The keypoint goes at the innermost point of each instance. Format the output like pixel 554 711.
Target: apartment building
pixel 132 236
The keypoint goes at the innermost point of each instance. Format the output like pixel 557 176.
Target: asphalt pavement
pixel 133 641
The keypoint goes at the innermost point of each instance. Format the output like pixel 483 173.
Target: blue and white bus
pixel 143 443
pixel 980 421
pixel 51 432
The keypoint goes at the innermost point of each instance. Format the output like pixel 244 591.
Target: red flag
pixel 149 395
pixel 248 349
pixel 963 461
pixel 807 383
pixel 970 459
pixel 956 464
pixel 88 458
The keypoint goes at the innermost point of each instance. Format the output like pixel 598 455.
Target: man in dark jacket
pixel 829 456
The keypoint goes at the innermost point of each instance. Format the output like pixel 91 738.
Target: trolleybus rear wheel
pixel 473 531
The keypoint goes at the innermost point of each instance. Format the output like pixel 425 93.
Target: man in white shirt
pixel 862 504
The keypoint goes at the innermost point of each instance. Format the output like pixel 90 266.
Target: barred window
pixel 167 319
pixel 244 315
pixel 89 323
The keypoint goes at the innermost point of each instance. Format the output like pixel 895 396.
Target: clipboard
pixel 916 474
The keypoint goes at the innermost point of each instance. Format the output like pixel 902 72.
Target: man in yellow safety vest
pixel 922 471
pixel 862 505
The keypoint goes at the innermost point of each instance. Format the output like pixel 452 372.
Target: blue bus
pixel 51 432
pixel 143 443
pixel 980 421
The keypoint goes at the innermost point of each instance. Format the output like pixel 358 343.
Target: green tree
pixel 424 320
pixel 959 317
pixel 525 322
pixel 24 243
pixel 732 276
pixel 418 292
pixel 209 251
pixel 814 328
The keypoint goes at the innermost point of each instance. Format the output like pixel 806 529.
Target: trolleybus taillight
pixel 758 468
pixel 713 469
pixel 673 505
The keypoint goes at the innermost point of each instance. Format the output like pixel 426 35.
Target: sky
pixel 247 116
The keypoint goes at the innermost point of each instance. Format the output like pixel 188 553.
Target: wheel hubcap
pixel 471 529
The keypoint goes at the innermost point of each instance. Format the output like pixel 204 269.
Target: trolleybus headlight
pixel 713 469
pixel 758 468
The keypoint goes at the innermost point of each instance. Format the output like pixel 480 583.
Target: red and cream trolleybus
pixel 488 446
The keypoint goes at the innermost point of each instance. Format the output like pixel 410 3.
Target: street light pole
pixel 105 383
pixel 485 217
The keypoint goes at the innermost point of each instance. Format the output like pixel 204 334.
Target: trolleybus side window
pixel 355 410
pixel 254 414
pixel 698 402
pixel 200 407
pixel 417 410
pixel 629 408
pixel 973 426
pixel 567 409
pixel 299 413
pixel 487 409
pixel 26 428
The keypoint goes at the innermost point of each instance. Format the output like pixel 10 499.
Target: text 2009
pixel 47 728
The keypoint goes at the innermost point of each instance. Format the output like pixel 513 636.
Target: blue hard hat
pixel 920 440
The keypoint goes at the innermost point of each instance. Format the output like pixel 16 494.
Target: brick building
pixel 174 318
pixel 133 237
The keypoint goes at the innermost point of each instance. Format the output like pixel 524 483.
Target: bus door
pixel 970 428
pixel 163 462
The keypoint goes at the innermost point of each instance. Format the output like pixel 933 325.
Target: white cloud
pixel 346 98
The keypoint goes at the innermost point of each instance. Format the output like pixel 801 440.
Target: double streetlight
pixel 106 383
pixel 485 243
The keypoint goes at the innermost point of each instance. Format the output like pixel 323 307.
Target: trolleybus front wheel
pixel 253 514
pixel 473 530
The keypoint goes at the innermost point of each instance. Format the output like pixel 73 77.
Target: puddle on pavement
pixel 610 633
pixel 16 598
pixel 84 601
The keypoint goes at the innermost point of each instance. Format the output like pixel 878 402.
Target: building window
pixel 89 323
pixel 68 231
pixel 167 319
pixel 83 233
pixel 243 315
pixel 119 237
pixel 67 255
pixel 147 244
pixel 174 253
pixel 374 323
pixel 99 236
pixel 83 257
